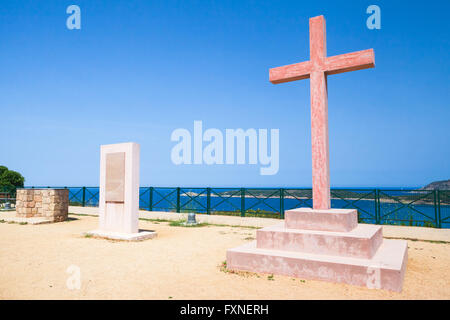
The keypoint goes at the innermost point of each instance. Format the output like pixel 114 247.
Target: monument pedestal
pixel 139 236
pixel 325 245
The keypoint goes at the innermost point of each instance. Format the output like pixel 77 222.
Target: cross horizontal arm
pixel 292 72
pixel 350 62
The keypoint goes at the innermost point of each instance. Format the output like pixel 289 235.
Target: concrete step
pixel 385 270
pixel 361 242
pixel 339 220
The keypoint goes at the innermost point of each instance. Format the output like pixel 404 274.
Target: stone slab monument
pixel 323 243
pixel 119 193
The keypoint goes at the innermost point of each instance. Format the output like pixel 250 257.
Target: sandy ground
pixel 181 263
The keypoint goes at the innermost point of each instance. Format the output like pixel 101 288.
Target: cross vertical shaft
pixel 317 69
pixel 319 115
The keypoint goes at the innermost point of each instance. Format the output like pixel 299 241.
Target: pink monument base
pixel 325 245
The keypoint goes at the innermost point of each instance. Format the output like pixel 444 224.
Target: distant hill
pixel 441 185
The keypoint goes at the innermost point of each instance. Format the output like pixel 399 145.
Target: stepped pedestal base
pixel 361 242
pixel 384 271
pixel 351 253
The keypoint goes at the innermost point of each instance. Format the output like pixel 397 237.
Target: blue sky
pixel 138 70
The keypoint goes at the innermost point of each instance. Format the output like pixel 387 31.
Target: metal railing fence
pixel 429 208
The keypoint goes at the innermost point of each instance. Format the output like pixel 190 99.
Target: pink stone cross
pixel 317 69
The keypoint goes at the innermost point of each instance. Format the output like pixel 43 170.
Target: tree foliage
pixel 10 180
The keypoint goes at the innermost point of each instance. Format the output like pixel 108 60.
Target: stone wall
pixel 49 203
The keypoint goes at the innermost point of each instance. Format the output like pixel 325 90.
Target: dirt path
pixel 181 263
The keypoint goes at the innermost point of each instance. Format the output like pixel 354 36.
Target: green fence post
pixel 150 200
pixel 242 202
pixel 375 203
pixel 83 201
pixel 377 207
pixel 439 208
pixel 178 200
pixel 436 217
pixel 208 200
pixel 282 203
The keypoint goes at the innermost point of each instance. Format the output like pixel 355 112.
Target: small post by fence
pixel 281 203
pixel 208 200
pixel 242 202
pixel 83 200
pixel 178 199
pixel 150 199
